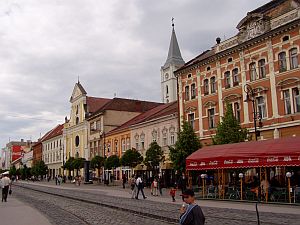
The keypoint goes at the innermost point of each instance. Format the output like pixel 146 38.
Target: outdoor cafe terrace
pixel 267 170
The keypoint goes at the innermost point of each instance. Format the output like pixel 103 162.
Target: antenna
pixel 78 80
pixel 172 21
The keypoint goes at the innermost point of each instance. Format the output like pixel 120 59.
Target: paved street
pixel 216 212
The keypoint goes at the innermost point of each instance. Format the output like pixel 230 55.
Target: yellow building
pixel 76 127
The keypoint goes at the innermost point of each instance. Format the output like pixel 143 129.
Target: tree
pixel 13 170
pixel 112 162
pixel 69 165
pixel 39 168
pixel 77 164
pixel 229 130
pixel 131 158
pixel 154 155
pixel 186 144
pixel 97 163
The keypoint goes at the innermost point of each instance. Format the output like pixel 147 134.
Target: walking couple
pixel 137 186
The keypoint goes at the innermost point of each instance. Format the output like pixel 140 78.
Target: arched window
pixel 77 141
pixel 293 58
pixel 206 87
pixel 262 68
pixel 227 79
pixel 285 38
pixel 77 120
pixel 235 76
pixel 167 90
pixel 187 93
pixel 213 85
pixel 282 61
pixel 252 69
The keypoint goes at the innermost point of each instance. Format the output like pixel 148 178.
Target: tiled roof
pixel 94 103
pixel 128 105
pixel 157 112
pixel 58 130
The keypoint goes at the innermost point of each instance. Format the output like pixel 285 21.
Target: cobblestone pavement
pixel 214 216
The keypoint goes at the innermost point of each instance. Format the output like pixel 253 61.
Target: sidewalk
pixel 14 212
pixel 118 191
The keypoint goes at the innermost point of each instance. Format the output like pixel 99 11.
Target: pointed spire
pixel 174 55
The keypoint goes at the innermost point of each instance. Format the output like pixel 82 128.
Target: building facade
pixel 262 58
pixel 53 153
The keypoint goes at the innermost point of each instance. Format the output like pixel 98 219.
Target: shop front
pixel 266 171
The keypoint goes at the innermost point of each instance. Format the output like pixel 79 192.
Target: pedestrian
pixel 173 193
pixel 79 180
pixel 140 187
pixel 182 183
pixel 191 214
pixel 133 186
pixel 160 184
pixel 124 180
pixel 155 187
pixel 56 179
pixel 5 184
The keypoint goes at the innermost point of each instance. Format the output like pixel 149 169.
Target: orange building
pixel 263 60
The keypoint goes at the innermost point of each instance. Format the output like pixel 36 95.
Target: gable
pixel 78 91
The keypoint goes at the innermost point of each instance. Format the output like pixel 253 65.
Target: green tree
pixel 13 171
pixel 69 165
pixel 77 164
pixel 112 162
pixel 229 130
pixel 39 168
pixel 97 163
pixel 154 155
pixel 131 158
pixel 186 144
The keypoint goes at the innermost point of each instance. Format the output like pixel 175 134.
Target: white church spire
pixel 173 62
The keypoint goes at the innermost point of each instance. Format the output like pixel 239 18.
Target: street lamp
pixel 288 175
pixel 203 176
pixel 241 175
pixel 251 97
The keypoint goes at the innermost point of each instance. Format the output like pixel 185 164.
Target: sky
pixel 115 47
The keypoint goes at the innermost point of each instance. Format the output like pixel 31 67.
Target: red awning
pixel 268 153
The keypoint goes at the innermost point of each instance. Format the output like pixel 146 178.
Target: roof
pixel 81 88
pixel 56 131
pixel 204 55
pixel 94 103
pixel 267 153
pixel 174 54
pixel 270 5
pixel 128 105
pixel 157 112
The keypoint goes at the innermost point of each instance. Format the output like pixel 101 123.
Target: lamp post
pixel 241 175
pixel 203 176
pixel 288 175
pixel 251 97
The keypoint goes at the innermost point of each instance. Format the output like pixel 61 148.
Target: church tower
pixel 173 62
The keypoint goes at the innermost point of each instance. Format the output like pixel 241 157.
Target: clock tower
pixel 174 61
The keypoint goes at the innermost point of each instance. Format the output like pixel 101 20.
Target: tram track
pixel 213 218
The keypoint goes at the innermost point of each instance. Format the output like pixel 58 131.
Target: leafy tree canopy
pixel 39 168
pixel 112 162
pixel 154 155
pixel 97 162
pixel 186 144
pixel 229 130
pixel 131 158
pixel 78 163
pixel 69 164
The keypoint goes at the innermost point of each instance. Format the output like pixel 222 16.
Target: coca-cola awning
pixel 267 153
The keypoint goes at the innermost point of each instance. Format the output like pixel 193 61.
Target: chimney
pixel 218 40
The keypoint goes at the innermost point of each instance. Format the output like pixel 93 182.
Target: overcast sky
pixel 114 46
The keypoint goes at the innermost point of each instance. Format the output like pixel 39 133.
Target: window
pixel 282 62
pixel 172 138
pixel 128 143
pixel 229 60
pixel 165 140
pixel 191 119
pixel 116 147
pixel 98 125
pixel 190 75
pixel 285 38
pixel 262 68
pixel 293 58
pixel 208 68
pixel 76 109
pixel 237 111
pixel 142 144
pixel 123 145
pixel 77 141
pixel 235 75
pixel 137 145
pixel 187 93
pixel 213 84
pixel 193 91
pixel 211 118
pixel 108 147
pixel 227 79
pixel 287 101
pixel 167 90
pixel 252 69
pixel 261 107
pixel 154 136
pixel 206 87
pixel 77 120
pixel 296 97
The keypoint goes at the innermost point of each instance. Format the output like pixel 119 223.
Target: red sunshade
pixel 268 153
